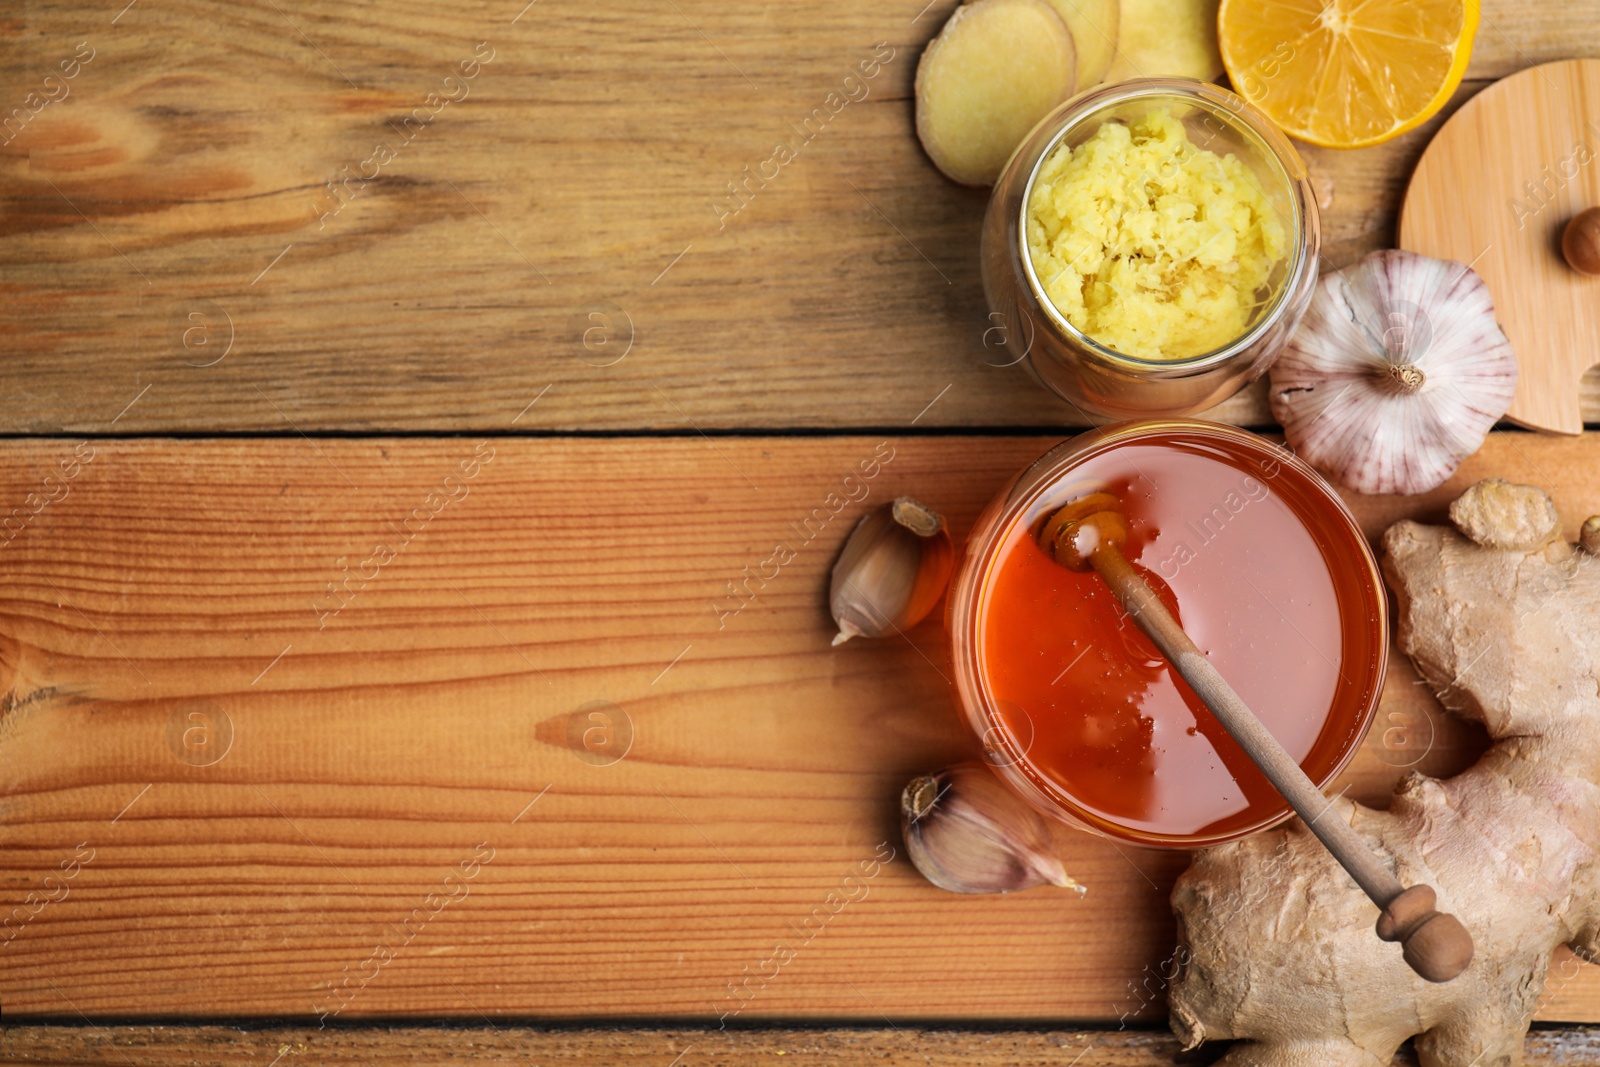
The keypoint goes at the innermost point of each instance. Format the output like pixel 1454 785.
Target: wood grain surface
pixel 1522 150
pixel 210 1046
pixel 561 218
pixel 539 762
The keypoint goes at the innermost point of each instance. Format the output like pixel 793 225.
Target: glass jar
pixel 1092 377
pixel 1234 591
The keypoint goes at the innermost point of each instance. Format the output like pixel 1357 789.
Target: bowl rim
pixel 1246 118
pixel 988 534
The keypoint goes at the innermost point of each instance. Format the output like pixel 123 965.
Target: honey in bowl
pixel 1261 565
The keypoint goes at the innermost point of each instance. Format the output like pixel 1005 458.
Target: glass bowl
pixel 1315 682
pixel 1092 377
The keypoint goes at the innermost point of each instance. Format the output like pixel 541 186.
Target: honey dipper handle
pixel 1435 944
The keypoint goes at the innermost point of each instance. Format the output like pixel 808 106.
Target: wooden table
pixel 534 775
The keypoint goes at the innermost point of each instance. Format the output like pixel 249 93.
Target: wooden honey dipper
pixel 1088 534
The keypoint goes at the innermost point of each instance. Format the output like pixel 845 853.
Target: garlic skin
pixel 967 832
pixel 893 569
pixel 1396 374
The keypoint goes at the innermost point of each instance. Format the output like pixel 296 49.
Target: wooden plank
pixel 405 796
pixel 215 1046
pixel 169 224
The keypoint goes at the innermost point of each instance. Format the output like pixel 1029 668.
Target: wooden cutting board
pixel 1494 189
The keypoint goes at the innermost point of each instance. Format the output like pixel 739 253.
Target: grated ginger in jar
pixel 1150 245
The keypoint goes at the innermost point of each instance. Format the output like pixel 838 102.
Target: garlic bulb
pixel 1396 373
pixel 967 832
pixel 893 570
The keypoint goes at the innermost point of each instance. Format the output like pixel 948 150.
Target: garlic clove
pixel 893 570
pixel 1589 536
pixel 1395 375
pixel 967 832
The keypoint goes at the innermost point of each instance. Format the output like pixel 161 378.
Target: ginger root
pixel 1093 25
pixel 1276 941
pixel 1167 38
pixel 994 71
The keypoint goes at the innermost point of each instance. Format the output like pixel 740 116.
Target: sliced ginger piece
pixel 1167 38
pixel 1093 24
pixel 994 71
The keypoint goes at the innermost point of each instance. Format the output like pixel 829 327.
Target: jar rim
pixel 1244 117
